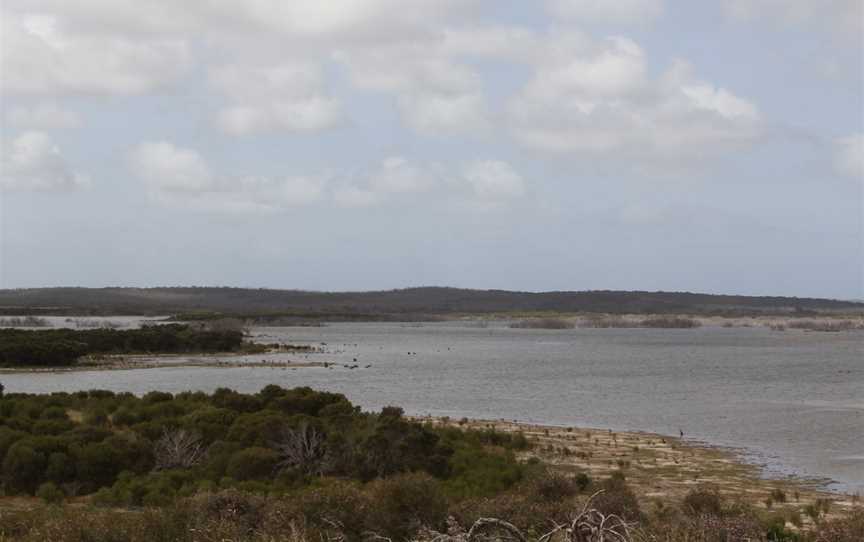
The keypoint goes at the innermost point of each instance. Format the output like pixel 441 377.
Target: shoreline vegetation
pixel 303 465
pixel 110 348
pixel 224 360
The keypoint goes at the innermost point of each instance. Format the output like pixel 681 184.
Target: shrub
pixel 703 500
pixel 254 463
pixel 543 323
pixel 23 467
pixel 670 322
pixel 404 503
pixel 50 493
pixel 551 486
pixel 334 502
pixel 477 473
pixel 617 498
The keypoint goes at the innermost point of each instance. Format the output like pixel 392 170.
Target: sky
pixel 375 144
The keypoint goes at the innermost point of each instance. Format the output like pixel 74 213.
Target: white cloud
pixel 42 116
pixel 166 167
pixel 491 40
pixel 849 156
pixel 32 162
pixel 286 97
pixel 843 16
pixel 354 197
pixel 180 177
pixel 606 11
pixel 398 175
pixel 442 113
pixel 354 21
pixel 39 56
pixel 596 98
pixel 435 94
pixel 493 180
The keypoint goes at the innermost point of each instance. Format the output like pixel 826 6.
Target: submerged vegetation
pixel 63 347
pixel 610 321
pixel 543 323
pixel 23 321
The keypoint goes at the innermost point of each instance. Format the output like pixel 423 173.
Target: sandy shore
pixel 662 469
pixel 163 361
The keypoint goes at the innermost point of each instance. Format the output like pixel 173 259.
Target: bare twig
pixel 178 448
pixel 302 448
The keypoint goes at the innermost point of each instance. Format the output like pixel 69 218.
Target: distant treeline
pixel 59 347
pixel 411 303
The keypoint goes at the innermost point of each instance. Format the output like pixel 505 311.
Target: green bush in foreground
pixel 138 451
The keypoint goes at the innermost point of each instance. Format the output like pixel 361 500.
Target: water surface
pixel 793 401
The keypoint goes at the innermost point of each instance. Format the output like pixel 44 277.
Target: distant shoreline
pixel 135 362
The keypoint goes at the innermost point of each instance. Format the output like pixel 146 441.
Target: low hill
pixel 394 303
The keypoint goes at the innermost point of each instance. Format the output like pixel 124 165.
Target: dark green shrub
pixel 23 468
pixel 254 463
pixel 50 493
pixel 477 472
pixel 61 468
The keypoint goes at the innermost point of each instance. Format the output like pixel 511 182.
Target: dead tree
pixel 590 525
pixel 178 449
pixel 303 448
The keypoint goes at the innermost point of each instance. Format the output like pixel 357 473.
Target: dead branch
pixel 302 448
pixel 178 449
pixel 484 524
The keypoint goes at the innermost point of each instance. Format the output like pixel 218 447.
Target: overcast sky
pixel 712 146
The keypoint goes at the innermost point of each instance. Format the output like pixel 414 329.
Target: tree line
pixel 63 347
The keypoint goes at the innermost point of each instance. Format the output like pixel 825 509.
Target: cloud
pixel 434 94
pixel 354 197
pixel 40 57
pixel 287 97
pixel 837 16
pixel 493 180
pixel 344 20
pixel 595 98
pixel 42 116
pixel 32 162
pixel 849 156
pixel 168 168
pixel 398 175
pixel 180 177
pixel 604 11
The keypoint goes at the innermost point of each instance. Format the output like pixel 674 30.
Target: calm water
pixel 792 401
